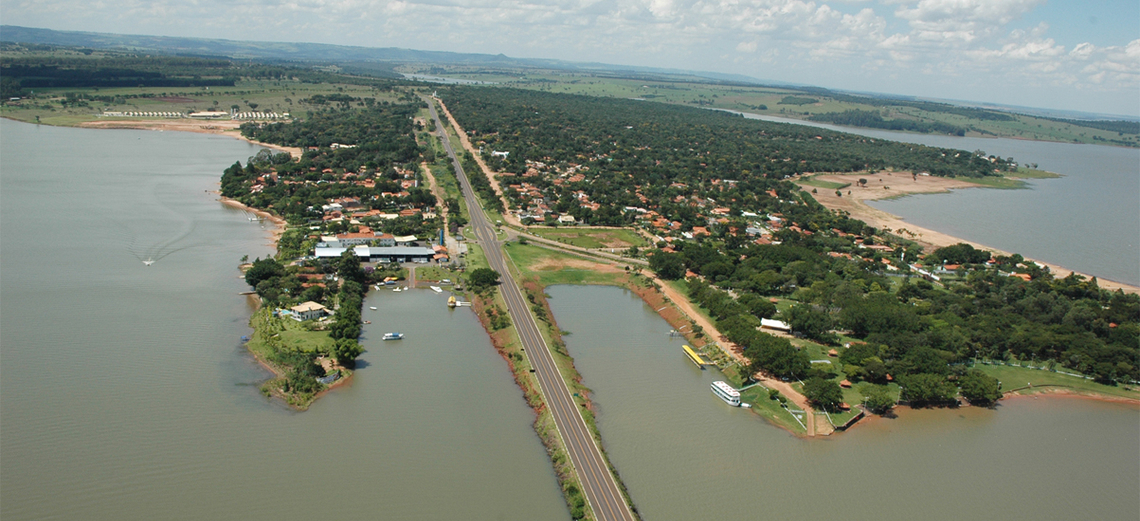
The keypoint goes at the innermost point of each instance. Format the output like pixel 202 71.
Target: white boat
pixel 373 308
pixel 436 289
pixel 393 336
pixel 396 289
pixel 727 393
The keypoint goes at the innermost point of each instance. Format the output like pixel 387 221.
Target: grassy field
pixel 771 409
pixel 268 96
pixel 812 181
pixel 434 274
pixel 292 335
pixel 548 267
pixel 1033 173
pixel 592 237
pixel 1013 377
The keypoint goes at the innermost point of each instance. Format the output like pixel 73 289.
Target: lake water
pixel 684 454
pixel 1088 220
pixel 126 393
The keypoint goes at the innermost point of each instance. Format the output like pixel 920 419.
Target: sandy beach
pixel 895 184
pixel 219 127
pixel 278 223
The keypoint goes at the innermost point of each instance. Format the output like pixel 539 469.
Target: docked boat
pixel 396 289
pixel 436 289
pixel 727 393
pixel 397 336
pixel 695 357
pixel 451 302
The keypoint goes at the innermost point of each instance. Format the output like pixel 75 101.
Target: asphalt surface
pixel 598 483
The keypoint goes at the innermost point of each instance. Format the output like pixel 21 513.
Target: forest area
pixel 890 324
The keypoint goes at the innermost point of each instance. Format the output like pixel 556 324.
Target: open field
pixel 548 267
pixel 285 96
pixel 591 237
pixel 1044 381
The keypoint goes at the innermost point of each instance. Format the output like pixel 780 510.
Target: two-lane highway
pixel 598 483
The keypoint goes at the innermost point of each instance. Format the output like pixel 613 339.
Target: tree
pixel 669 266
pixel 823 393
pixel 813 323
pixel 346 351
pixel 878 398
pixel 979 388
pixel 483 278
pixel 925 389
pixel 263 269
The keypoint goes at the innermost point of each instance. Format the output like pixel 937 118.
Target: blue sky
pixel 1054 54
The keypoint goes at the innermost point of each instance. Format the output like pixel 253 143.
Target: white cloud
pixel 951 48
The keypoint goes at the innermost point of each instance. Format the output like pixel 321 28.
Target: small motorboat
pixel 373 308
pixel 393 336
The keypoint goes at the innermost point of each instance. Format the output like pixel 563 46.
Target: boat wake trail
pixel 149 252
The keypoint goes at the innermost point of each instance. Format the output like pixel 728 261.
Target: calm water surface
pixel 126 394
pixel 684 454
pixel 1088 220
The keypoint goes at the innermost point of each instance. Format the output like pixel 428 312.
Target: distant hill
pixel 324 53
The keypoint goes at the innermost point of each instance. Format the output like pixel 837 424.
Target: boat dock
pixel 696 357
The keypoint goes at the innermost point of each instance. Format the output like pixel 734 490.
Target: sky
pixel 1055 54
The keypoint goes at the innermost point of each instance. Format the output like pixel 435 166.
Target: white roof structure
pixel 307 306
pixel 775 324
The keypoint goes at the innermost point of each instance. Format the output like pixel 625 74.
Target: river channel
pixel 126 393
pixel 684 454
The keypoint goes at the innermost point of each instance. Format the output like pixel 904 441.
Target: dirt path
pixel 437 191
pixel 893 184
pixel 733 350
pixel 507 215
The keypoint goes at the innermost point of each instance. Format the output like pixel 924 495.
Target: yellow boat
pixel 695 357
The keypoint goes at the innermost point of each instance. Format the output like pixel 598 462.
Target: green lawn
pixel 434 274
pixel 548 266
pixel 829 185
pixel 292 334
pixel 592 237
pixel 1019 377
pixel 771 409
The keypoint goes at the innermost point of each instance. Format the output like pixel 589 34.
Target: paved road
pixel 598 483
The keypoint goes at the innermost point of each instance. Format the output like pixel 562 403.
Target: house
pixel 566 219
pixel 308 311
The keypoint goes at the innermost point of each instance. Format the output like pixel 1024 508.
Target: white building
pixel 308 311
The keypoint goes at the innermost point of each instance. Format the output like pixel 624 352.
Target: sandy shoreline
pixel 278 223
pixel 895 184
pixel 218 127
